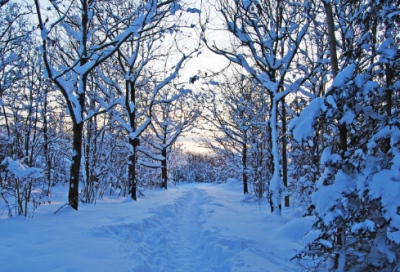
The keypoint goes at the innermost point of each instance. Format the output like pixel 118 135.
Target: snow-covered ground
pixel 191 227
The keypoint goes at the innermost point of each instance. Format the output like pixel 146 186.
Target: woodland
pixel 95 95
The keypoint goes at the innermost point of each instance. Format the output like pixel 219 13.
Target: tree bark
pixel 73 196
pixel 46 144
pixel 284 151
pixel 275 191
pixel 130 88
pixel 343 139
pixel 76 166
pixel 244 161
pixel 132 169
pixel 331 37
pixel 88 159
pixel 87 162
pixel 164 169
pixel 389 102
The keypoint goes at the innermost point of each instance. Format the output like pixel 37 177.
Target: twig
pixel 62 207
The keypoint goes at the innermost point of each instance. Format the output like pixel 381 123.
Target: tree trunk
pixel 164 169
pixel 275 184
pixel 130 89
pixel 331 37
pixel 78 124
pixel 132 169
pixel 284 151
pixel 244 160
pixel 76 165
pixel 339 241
pixel 19 200
pixel 342 128
pixel 343 139
pixel 29 125
pixel 46 145
pixel 88 161
pixel 315 158
pixel 389 102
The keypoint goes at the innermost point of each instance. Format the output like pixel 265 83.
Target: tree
pixel 356 222
pixel 15 44
pixel 170 121
pixel 266 43
pixel 141 91
pixel 92 33
pixel 232 111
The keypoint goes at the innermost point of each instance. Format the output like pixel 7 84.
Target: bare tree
pixel 266 39
pixel 170 121
pixel 92 32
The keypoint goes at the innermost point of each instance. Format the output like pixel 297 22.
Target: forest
pixel 303 110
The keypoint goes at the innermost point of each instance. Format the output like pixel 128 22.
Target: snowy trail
pixel 185 229
pixel 170 240
pixel 175 239
pixel 189 228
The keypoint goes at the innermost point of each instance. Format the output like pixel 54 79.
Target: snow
pixel 326 243
pixel 191 227
pixel 276 182
pixel 174 8
pixel 70 32
pixel 247 3
pixel 296 228
pixel 385 44
pixel 193 10
pixel 385 186
pixel 386 132
pixel 311 236
pixel 327 195
pixel 344 76
pixel 328 157
pixel 214 83
pixel 369 87
pixel 303 126
pixel 134 135
pixel 366 225
pixel 11 58
pixel 149 164
pixel 85 68
pixel 20 170
pixel 44 33
pixel 149 154
pixel 348 116
pixel 331 101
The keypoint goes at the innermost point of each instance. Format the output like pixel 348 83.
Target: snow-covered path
pixel 185 240
pixel 178 238
pixel 171 240
pixel 195 227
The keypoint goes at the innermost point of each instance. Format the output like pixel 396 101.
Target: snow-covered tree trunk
pixel 284 151
pixel 133 142
pixel 276 183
